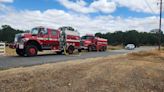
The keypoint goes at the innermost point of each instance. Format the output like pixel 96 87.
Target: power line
pixel 149 6
pixel 160 23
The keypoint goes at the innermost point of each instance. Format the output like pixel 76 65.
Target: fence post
pixel 2 48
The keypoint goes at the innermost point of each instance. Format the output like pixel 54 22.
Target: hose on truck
pixel 65 52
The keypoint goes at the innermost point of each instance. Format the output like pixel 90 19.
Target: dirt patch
pixel 109 74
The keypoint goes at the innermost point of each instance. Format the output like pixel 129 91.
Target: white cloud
pixel 81 6
pixel 85 24
pixel 4 8
pixel 78 6
pixel 146 6
pixel 109 6
pixel 6 1
pixel 104 6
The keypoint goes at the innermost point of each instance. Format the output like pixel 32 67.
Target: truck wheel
pixel 20 52
pixel 31 50
pixel 70 50
pixel 101 49
pixel 104 48
pixel 89 48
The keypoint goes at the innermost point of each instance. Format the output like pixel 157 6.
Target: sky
pixel 87 16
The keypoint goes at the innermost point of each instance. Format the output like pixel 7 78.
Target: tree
pixel 7 33
pixel 131 36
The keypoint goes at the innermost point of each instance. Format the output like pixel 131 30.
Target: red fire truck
pixel 92 43
pixel 41 38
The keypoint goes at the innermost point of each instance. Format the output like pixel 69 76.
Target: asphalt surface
pixel 16 61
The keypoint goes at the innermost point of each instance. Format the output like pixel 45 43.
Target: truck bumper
pixel 16 45
pixel 83 47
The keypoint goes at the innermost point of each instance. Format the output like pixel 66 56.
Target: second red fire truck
pixel 92 43
pixel 64 39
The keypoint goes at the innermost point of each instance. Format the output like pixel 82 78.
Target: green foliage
pixel 131 36
pixel 7 33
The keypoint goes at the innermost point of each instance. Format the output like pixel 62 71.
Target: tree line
pixel 7 34
pixel 132 37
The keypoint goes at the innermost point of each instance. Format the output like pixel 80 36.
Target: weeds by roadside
pixel 144 53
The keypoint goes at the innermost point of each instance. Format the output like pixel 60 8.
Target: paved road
pixel 16 61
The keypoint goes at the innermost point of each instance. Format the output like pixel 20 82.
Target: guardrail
pixel 2 48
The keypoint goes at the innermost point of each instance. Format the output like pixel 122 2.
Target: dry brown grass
pixel 10 52
pixel 145 53
pixel 128 73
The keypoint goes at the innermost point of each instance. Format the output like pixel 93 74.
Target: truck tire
pixel 101 49
pixel 20 52
pixel 31 50
pixel 70 49
pixel 89 48
pixel 104 48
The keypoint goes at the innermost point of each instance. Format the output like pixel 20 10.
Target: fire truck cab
pixel 41 38
pixel 92 43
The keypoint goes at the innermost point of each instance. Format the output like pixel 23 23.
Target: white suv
pixel 130 47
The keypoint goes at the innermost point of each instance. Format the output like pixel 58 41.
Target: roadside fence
pixel 2 48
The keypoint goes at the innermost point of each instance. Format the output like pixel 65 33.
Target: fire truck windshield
pixel 87 37
pixel 34 31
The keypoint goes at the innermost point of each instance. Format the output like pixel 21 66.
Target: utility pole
pixel 160 22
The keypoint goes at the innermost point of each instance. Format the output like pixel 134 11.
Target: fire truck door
pixel 43 36
pixel 54 39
